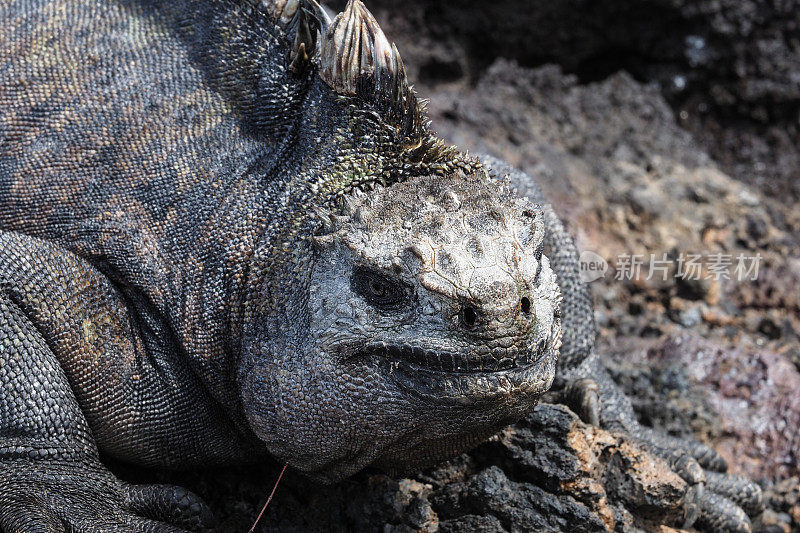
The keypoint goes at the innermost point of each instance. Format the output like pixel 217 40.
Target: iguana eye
pixel 377 289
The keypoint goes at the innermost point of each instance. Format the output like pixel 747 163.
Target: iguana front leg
pixel 51 478
pixel 715 500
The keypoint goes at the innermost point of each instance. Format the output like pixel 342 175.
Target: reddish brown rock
pixel 754 396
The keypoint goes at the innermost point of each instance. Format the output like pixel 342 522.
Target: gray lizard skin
pixel 227 232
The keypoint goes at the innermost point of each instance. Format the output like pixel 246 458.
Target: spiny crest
pixel 355 46
pixel 303 21
pixel 354 58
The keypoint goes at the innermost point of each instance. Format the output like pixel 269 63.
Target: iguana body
pixel 226 232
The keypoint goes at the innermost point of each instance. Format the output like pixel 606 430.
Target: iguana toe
pixel 738 489
pixel 706 457
pixel 719 514
pixel 682 463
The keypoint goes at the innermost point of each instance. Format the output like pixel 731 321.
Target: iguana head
pixel 414 319
pixel 431 320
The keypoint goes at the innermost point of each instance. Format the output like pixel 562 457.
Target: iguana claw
pixel 691 504
pixel 583 397
pixel 64 496
pixel 714 501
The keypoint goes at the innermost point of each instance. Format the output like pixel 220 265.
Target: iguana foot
pixel 727 499
pixel 715 501
pixel 44 496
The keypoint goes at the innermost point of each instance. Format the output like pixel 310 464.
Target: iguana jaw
pixel 459 376
pixel 465 388
pixel 519 385
pixel 444 361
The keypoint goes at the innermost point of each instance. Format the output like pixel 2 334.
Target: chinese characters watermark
pixel 688 266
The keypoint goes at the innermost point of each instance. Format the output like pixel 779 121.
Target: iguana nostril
pixel 469 316
pixel 525 304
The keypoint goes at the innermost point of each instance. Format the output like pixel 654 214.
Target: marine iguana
pixel 228 231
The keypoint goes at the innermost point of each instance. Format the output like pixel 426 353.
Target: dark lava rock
pixel 472 523
pixel 744 402
pixel 518 506
pixel 550 472
pixel 729 68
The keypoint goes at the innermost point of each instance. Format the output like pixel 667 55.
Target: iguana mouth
pixel 457 362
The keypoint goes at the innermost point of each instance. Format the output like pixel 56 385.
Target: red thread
pixel 271 494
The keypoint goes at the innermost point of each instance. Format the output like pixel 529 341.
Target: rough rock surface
pixel 743 400
pixel 730 68
pixel 549 472
pixel 668 127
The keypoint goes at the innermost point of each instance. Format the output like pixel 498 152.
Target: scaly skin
pixel 227 232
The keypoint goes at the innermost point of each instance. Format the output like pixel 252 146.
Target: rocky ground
pixel 656 127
